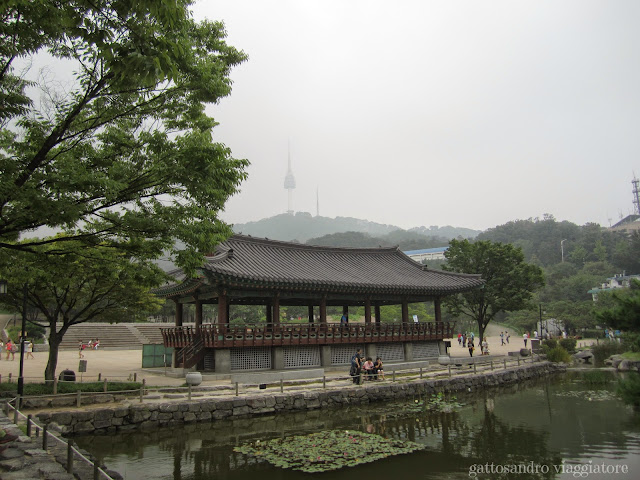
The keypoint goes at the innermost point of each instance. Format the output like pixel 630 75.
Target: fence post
pixel 55 385
pixel 518 361
pixel 96 471
pixel 492 365
pixel 0 378
pixel 79 399
pixel 189 392
pixel 9 377
pixel 449 371
pixel 236 389
pixel 29 417
pixel 505 363
pixel 475 370
pixel 44 436
pixel 324 381
pixel 142 392
pixel 135 376
pixel 99 377
pixel 104 387
pixel 70 456
pixel 281 385
pixel 15 410
pixel 393 375
pixel 421 372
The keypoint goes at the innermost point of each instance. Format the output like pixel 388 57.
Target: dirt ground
pixel 122 364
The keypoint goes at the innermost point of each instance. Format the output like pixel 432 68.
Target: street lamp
pixel 562 248
pixel 22 335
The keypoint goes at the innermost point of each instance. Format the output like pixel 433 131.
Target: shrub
pixel 69 387
pixel 551 343
pixel 604 350
pixel 558 355
pixel 569 344
pixel 629 389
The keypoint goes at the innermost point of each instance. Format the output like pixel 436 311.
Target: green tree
pixel 83 284
pixel 509 281
pixel 123 155
pixel 625 312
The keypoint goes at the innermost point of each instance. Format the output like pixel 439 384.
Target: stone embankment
pixel 172 413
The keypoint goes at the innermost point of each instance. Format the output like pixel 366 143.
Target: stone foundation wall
pixel 154 415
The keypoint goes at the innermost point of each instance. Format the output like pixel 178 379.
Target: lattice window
pixel 301 356
pixel 425 350
pixel 209 361
pixel 341 354
pixel 390 352
pixel 251 358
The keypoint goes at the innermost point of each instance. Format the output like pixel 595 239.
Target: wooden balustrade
pixel 279 334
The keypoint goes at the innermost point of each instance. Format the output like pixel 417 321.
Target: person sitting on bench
pixel 377 369
pixel 368 368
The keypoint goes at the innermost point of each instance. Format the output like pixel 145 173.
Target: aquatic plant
pixel 325 451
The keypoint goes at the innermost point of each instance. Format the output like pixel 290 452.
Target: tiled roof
pixel 275 264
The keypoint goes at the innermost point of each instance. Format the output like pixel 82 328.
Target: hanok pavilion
pixel 252 271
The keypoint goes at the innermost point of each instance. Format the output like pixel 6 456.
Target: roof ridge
pixel 304 246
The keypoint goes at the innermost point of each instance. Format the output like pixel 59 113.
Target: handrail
pixel 71 449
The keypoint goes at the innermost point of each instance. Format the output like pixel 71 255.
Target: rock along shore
pixel 178 412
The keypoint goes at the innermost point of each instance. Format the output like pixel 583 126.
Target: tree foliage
pixel 509 281
pixel 123 155
pixel 83 284
pixel 625 313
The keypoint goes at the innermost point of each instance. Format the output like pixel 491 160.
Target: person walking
pixel 80 349
pixel 10 350
pixel 502 338
pixel 471 346
pixel 29 349
pixel 525 337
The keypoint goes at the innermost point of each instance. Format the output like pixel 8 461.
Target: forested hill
pixel 302 226
pixel 403 239
pixel 540 240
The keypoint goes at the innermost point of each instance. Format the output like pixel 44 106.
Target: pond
pixel 558 427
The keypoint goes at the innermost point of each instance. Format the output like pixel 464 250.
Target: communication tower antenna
pixel 636 194
pixel 290 183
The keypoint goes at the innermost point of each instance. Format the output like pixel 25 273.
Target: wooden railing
pixel 278 334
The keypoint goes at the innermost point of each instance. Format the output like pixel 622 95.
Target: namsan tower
pixel 290 184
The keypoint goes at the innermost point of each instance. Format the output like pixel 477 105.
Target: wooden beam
pixel 438 309
pixel 310 314
pixel 198 313
pixel 178 313
pixel 405 311
pixel 367 310
pixel 377 313
pixel 223 319
pixel 323 309
pixel 276 308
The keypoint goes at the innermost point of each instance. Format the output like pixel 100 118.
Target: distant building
pixel 427 254
pixel 618 281
pixel 628 224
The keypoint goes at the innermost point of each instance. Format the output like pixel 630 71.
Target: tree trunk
pixel 54 345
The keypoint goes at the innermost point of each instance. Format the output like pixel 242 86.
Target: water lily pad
pixel 325 451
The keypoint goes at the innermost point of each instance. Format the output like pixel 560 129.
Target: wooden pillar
pixel 198 313
pixel 310 313
pixel 377 313
pixel 179 311
pixel 367 310
pixel 269 313
pixel 345 311
pixel 276 308
pixel 438 309
pixel 223 310
pixel 323 309
pixel 405 311
pixel 228 317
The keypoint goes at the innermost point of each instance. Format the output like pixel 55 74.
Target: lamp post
pixel 562 249
pixel 22 335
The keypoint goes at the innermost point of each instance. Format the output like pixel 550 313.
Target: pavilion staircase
pixel 191 355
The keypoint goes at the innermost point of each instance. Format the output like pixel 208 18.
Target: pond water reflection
pixel 535 428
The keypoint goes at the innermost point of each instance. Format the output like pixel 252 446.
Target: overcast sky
pixel 464 113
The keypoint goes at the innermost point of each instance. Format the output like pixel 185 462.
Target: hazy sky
pixel 464 113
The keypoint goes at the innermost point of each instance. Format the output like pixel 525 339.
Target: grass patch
pixel 631 355
pixel 598 377
pixel 69 387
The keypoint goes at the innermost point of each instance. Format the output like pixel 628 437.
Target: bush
pixel 550 344
pixel 558 355
pixel 69 387
pixel 604 350
pixel 629 389
pixel 569 344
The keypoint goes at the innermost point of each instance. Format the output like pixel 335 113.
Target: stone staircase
pixel 126 336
